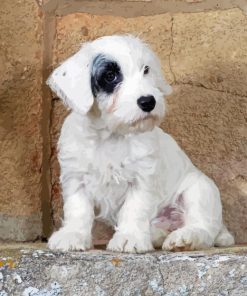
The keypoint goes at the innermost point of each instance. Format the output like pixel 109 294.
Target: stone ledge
pixel 33 270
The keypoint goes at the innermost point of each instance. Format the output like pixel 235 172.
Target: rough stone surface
pixel 29 271
pixel 210 49
pixel 20 228
pixel 74 29
pixel 20 114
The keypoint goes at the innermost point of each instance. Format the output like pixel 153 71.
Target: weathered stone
pixel 211 127
pixel 210 49
pixel 74 29
pixel 20 228
pixel 20 113
pixel 36 272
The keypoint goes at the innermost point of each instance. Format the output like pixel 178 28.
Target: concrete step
pixel 33 270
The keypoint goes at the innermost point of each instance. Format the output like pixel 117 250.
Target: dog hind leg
pixel 202 219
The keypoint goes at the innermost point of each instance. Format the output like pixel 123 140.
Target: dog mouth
pixel 149 117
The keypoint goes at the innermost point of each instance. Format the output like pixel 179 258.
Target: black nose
pixel 147 103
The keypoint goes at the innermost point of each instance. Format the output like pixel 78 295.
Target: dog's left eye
pixel 110 76
pixel 146 70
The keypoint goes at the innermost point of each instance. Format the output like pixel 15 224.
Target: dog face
pixel 122 75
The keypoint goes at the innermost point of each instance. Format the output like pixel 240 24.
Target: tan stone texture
pixel 20 114
pixel 74 29
pixel 210 49
pixel 204 50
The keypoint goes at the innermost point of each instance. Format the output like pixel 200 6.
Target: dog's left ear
pixel 71 82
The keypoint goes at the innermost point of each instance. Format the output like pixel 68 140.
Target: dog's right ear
pixel 71 81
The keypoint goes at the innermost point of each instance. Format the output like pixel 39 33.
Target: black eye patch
pixel 105 75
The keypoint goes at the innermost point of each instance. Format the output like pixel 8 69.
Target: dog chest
pixel 123 160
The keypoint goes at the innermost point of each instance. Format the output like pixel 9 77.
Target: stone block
pixel 33 270
pixel 74 29
pixel 20 115
pixel 210 49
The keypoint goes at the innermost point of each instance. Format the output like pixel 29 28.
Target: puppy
pixel 114 157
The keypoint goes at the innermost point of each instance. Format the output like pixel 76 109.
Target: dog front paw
pixel 65 240
pixel 187 239
pixel 129 243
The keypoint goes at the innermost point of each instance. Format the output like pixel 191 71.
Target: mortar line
pixel 141 8
pixel 171 50
pixel 200 85
pixel 49 30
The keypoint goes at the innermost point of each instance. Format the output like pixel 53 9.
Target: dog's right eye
pixel 110 76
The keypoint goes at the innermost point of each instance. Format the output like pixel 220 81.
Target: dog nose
pixel 146 103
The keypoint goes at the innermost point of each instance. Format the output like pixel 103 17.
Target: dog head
pixel 121 75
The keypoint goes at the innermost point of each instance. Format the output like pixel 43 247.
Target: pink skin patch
pixel 170 217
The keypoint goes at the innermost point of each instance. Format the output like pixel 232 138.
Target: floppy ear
pixel 71 82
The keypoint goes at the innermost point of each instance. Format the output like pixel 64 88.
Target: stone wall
pixel 20 119
pixel 203 49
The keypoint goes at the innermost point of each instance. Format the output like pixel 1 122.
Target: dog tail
pixel 224 238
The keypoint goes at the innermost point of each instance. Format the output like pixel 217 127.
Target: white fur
pixel 118 160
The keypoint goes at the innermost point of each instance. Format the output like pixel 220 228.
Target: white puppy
pixel 114 157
